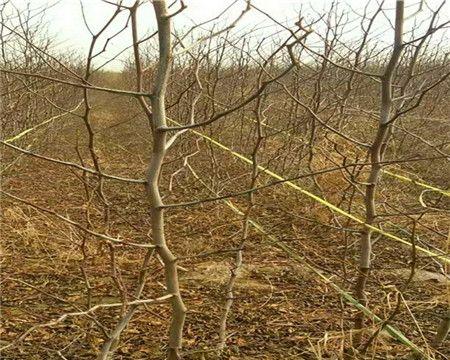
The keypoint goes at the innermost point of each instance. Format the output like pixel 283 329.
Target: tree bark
pixel 154 170
pixel 377 151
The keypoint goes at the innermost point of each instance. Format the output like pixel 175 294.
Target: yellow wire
pixel 315 197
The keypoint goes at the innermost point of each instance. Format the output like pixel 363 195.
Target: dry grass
pixel 282 311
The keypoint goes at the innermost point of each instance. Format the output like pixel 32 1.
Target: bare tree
pixel 317 137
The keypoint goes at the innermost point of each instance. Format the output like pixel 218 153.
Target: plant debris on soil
pixel 281 310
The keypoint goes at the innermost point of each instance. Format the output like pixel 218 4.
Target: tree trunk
pixel 377 151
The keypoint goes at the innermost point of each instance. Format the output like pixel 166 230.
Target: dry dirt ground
pixel 283 310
